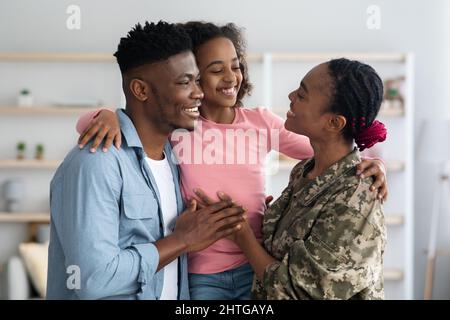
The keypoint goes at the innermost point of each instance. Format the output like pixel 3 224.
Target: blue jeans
pixel 234 284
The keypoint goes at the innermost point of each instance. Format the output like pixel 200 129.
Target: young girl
pixel 218 155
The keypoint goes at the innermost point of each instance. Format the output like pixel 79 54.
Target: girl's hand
pixel 203 200
pixel 242 233
pixel 104 127
pixel 375 168
pixel 268 201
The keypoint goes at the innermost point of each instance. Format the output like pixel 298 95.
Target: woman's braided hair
pixel 357 94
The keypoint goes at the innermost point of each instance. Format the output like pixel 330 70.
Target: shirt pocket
pixel 326 253
pixel 140 206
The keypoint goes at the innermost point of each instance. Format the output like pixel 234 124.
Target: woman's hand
pixel 375 168
pixel 104 127
pixel 242 233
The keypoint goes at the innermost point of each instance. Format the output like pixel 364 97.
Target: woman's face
pixel 308 113
pixel 220 74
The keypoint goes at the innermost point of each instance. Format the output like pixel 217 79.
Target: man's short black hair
pixel 150 43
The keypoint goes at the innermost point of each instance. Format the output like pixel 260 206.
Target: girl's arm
pixel 101 124
pixel 286 142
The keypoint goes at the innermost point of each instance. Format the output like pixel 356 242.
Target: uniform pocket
pixel 140 206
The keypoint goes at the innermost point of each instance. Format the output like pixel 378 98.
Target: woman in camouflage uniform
pixel 324 237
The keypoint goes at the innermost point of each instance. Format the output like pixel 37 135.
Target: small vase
pixel 25 101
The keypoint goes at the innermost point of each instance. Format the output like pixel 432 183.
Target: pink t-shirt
pixel 230 158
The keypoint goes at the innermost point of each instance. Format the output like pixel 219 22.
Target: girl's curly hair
pixel 201 32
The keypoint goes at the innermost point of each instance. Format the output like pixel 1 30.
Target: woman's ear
pixel 337 123
pixel 139 89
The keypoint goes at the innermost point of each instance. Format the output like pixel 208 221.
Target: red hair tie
pixel 369 136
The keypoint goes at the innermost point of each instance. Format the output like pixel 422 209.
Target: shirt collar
pixel 132 138
pixel 334 174
pixel 128 130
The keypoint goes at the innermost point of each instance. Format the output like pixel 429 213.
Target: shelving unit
pixel 68 78
pixel 25 217
pixel 394 220
pixel 391 166
pixel 29 164
pixel 43 110
pixel 282 72
pixel 393 274
pixel 385 113
pixel 56 57
pixel 324 56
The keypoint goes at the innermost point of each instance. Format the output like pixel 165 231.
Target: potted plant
pixel 21 146
pixel 393 98
pixel 25 98
pixel 39 151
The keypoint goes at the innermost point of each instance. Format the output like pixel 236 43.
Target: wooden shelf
pixel 394 219
pixel 25 217
pixel 391 166
pixel 385 113
pixel 392 274
pixel 29 164
pixel 57 57
pixel 251 57
pixel 395 166
pixel 391 113
pixel 321 57
pixel 45 110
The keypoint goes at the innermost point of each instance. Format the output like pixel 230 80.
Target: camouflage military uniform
pixel 328 235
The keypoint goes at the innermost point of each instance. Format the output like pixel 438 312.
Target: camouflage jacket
pixel 328 235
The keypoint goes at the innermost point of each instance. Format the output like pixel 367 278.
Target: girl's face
pixel 308 113
pixel 220 74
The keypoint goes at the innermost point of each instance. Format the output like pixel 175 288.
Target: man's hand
pixel 374 168
pixel 104 127
pixel 198 229
pixel 243 229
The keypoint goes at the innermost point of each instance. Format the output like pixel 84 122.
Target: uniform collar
pixel 335 174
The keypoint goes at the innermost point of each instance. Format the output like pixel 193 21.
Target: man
pixel 113 213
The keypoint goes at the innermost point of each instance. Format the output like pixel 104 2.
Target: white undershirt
pixel 164 181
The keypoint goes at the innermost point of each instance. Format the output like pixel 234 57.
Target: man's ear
pixel 140 89
pixel 336 123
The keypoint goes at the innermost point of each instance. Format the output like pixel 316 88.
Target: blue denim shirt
pixel 105 218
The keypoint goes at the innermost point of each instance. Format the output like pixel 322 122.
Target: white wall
pixel 421 27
